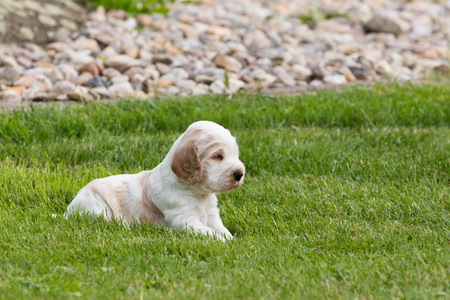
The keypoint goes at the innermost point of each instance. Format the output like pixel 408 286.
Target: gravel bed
pixel 225 47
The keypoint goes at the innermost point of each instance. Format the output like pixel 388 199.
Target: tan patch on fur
pixel 142 208
pixel 123 200
pixel 99 192
pixel 186 162
pixel 149 211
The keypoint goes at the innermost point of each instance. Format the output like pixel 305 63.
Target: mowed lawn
pixel 346 196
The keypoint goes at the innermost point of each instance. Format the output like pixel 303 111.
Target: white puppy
pixel 180 191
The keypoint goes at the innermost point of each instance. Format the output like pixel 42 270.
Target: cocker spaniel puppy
pixel 180 192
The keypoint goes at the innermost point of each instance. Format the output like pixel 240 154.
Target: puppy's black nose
pixel 238 176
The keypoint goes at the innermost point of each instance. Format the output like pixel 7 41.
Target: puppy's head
pixel 207 157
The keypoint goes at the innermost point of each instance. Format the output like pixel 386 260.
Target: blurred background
pixel 102 49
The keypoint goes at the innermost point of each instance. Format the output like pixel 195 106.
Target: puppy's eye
pixel 218 157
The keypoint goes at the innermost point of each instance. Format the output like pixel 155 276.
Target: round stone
pixel 90 67
pixel 335 79
pixel 121 90
pixel 97 81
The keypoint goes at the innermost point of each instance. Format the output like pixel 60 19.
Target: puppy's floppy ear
pixel 186 162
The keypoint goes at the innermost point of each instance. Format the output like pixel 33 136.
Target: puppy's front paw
pixel 221 236
pixel 223 231
pixel 227 235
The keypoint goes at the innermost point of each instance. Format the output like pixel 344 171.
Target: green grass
pixel 132 7
pixel 346 196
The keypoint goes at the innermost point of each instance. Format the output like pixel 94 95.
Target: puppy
pixel 180 192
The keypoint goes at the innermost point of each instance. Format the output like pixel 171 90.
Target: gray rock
pixel 283 76
pixel 118 79
pixel 145 55
pixel 165 59
pixel 286 79
pixel 265 79
pixel 80 57
pixel 57 46
pixel 382 22
pixel 171 91
pixel 180 60
pixel 85 43
pixel 300 72
pixel 109 51
pixel 77 96
pixel 132 51
pixel 121 90
pixel 234 86
pixel 100 92
pixel 121 62
pixel 44 97
pixel 31 93
pixel 217 87
pixel 8 75
pixel 384 38
pixel 200 89
pixel 257 40
pixel 274 54
pixel 131 72
pixel 24 61
pixel 227 62
pixel 264 62
pixel 176 75
pixel 402 74
pixel 359 73
pixel 110 73
pixel 163 68
pixel 316 83
pixel 334 25
pixel 8 61
pixel 320 71
pixel 186 85
pixel 420 29
pixel 64 72
pixel 383 67
pixel 244 58
pixel 335 79
pixel 97 81
pixel 62 35
pixel 80 93
pixel 205 79
pixel 43 82
pixel 83 78
pixel 63 87
pixel 151 73
pixel 138 81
